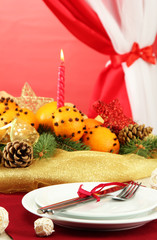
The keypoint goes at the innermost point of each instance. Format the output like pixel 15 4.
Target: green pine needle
pixel 2 147
pixel 45 147
pixel 48 142
pixel 44 128
pixel 145 148
pixel 69 145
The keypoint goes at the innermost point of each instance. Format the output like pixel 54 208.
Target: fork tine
pixel 125 189
pixel 133 190
pixel 129 190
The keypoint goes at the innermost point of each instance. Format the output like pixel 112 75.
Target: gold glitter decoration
pixel 19 130
pixel 29 100
pixel 5 94
pixel 80 166
pixel 22 131
pixel 68 167
pixel 5 134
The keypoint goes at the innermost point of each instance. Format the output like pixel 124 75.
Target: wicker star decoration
pixel 28 99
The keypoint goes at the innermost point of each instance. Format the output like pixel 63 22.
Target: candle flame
pixel 62 55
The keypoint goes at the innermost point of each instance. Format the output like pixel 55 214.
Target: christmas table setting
pixel 22 224
pixel 38 164
pixel 51 151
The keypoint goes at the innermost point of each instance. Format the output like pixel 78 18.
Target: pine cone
pixel 133 131
pixel 17 154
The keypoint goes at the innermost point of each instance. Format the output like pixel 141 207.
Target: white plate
pixel 144 200
pixel 29 204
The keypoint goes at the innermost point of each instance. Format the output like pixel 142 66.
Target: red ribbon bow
pixel 136 52
pixel 96 190
pixel 145 53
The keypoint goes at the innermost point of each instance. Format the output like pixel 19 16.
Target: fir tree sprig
pixel 2 147
pixel 146 147
pixel 44 128
pixel 48 142
pixel 69 145
pixel 1 152
pixel 45 146
pixel 64 143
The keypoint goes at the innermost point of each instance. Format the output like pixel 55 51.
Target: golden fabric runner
pixel 79 166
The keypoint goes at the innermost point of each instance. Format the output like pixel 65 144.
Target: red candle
pixel 61 82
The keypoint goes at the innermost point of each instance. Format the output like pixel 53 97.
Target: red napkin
pixel 21 226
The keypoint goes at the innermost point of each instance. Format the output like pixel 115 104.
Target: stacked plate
pixel 107 214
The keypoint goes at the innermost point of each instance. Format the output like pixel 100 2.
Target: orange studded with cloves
pixel 8 115
pixel 101 139
pixel 90 123
pixel 28 116
pixel 5 118
pixel 44 114
pixel 68 122
pixel 7 104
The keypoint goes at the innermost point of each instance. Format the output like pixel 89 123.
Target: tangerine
pixel 101 139
pixel 7 104
pixel 6 118
pixel 68 122
pixel 90 123
pixel 28 116
pixel 23 113
pixel 44 114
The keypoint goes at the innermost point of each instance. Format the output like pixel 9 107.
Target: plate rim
pixel 72 214
pixel 136 221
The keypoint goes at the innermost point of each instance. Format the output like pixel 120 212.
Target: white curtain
pixel 126 22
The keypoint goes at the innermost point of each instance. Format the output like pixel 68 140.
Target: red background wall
pixel 30 41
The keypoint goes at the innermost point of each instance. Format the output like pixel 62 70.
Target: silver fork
pixel 128 191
